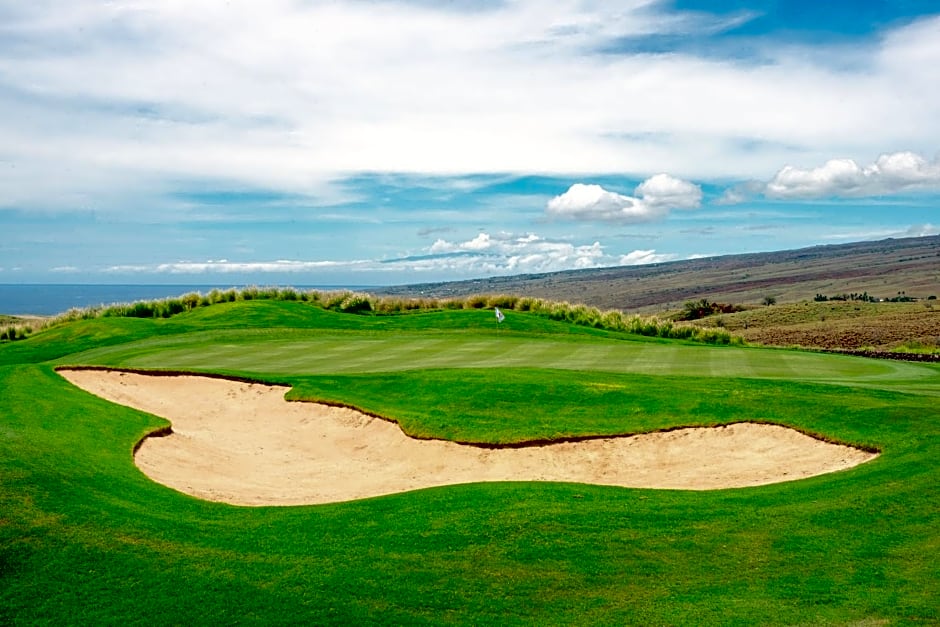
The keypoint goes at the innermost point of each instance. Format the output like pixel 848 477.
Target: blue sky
pixel 374 142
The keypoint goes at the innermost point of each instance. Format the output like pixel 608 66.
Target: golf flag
pixel 499 315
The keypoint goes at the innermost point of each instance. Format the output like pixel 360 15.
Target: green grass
pixel 86 538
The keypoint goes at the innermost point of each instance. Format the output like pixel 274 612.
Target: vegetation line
pixel 366 304
pixel 893 355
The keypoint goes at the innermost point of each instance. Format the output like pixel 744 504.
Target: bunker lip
pixel 240 442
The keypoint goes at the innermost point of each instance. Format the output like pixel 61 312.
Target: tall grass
pixel 360 303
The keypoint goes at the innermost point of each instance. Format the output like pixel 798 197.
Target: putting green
pixel 317 353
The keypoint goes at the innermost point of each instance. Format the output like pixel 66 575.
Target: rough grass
pixel 833 325
pixel 86 538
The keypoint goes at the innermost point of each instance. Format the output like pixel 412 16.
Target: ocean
pixel 51 299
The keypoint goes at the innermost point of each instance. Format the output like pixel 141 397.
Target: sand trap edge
pixel 784 473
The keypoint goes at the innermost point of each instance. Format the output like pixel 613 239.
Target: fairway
pixel 350 352
pixel 86 537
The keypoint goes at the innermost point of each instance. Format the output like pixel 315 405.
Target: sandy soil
pixel 242 443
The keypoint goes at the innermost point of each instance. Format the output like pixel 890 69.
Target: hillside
pixel 882 269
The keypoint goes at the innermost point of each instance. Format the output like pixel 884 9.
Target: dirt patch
pixel 242 443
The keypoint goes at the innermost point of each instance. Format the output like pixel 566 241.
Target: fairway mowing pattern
pixel 362 353
pixel 587 358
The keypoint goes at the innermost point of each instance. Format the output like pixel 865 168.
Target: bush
pixel 141 309
pixel 527 303
pixel 190 300
pixel 696 310
pixel 356 303
pixel 288 294
pixel 475 302
pixel 503 301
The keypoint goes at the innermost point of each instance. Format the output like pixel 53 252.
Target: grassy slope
pixel 84 537
pixel 834 324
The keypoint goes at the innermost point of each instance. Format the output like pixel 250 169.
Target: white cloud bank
pixel 486 254
pixel 655 197
pixel 224 266
pixel 889 174
pixel 508 253
pixel 113 104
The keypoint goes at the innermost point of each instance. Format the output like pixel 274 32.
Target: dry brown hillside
pixel 882 269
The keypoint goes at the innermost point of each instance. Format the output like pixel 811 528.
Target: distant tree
pixel 770 300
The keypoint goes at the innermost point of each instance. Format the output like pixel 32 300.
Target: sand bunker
pixel 242 443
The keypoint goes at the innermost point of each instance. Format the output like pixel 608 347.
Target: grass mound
pixel 357 303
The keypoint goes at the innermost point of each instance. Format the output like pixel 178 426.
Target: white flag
pixel 499 315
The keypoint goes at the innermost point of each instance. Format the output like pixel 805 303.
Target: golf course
pixel 91 533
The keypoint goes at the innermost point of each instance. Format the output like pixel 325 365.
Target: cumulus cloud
pixel 669 192
pixel 654 199
pixel 593 202
pixel 890 173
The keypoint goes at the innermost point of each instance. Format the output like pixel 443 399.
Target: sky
pixel 378 142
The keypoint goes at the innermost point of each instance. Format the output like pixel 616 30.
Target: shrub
pixel 683 332
pixel 172 307
pixel 696 310
pixel 356 303
pixel 190 300
pixel 141 309
pixel 333 300
pixel 502 300
pixel 613 320
pixel 288 293
pixel 475 302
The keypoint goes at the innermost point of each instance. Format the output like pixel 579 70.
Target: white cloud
pixel 593 202
pixel 641 257
pixel 485 254
pixel 655 197
pixel 891 173
pixel 224 266
pixel 922 230
pixel 115 103
pixel 505 252
pixel 915 230
pixel 669 192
